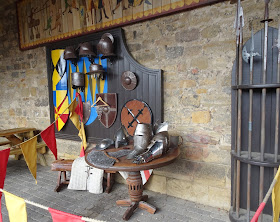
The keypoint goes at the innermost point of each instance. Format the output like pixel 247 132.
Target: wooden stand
pixel 137 199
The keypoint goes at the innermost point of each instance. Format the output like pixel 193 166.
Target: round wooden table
pixel 134 180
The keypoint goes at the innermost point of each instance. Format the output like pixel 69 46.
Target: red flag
pixel 59 216
pixel 82 153
pixel 145 174
pixel 4 156
pixel 49 137
pixel 79 108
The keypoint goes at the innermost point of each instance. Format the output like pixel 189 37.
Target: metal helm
pixel 70 54
pixel 142 137
pixel 121 138
pixel 95 68
pixel 105 45
pixel 104 144
pixel 160 127
pixel 86 50
pixel 78 80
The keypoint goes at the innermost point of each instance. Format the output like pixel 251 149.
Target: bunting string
pixel 47 208
pixel 17 145
pixel 14 146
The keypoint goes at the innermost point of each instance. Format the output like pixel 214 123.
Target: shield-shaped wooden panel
pixel 106 106
pixel 134 112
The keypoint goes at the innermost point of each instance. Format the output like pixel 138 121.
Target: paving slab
pixel 100 207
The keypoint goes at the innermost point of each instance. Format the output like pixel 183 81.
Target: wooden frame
pixel 41 22
pixel 149 87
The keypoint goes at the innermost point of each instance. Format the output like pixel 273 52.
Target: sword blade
pixel 131 113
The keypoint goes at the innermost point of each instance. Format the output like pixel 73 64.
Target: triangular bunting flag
pixel 49 137
pixel 30 155
pixel 74 116
pixel 82 135
pixel 59 216
pixel 82 152
pixel 145 174
pixel 16 208
pixel 4 156
pixel 79 108
pixel 1 219
pixel 276 197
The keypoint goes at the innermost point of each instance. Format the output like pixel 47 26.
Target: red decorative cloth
pixel 79 108
pixel 59 216
pixel 4 156
pixel 49 137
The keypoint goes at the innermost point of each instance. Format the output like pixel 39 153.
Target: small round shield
pixel 129 80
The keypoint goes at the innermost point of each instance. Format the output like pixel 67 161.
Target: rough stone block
pixel 156 183
pixel 200 63
pixel 219 197
pixel 187 83
pixel 187 35
pixel 174 52
pixel 201 117
pixel 211 31
pixel 201 91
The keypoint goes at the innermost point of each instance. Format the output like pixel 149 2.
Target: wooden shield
pixel 134 112
pixel 107 108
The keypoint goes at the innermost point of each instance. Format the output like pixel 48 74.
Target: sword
pixel 131 113
pixel 246 56
pixel 239 23
pixel 263 111
pixel 135 118
pixel 276 142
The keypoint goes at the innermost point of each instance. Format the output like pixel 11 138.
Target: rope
pixel 14 146
pixel 47 208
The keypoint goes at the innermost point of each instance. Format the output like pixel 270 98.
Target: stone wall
pixel 195 49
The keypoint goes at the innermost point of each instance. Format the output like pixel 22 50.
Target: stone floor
pixel 100 207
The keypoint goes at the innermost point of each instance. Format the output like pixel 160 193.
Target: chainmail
pixel 99 159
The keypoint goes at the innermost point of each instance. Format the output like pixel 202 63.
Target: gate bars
pixel 259 156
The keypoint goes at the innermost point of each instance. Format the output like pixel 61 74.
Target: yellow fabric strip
pixel 16 208
pixel 82 135
pixel 30 155
pixel 276 197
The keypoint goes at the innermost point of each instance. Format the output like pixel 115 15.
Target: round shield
pixel 134 112
pixel 129 80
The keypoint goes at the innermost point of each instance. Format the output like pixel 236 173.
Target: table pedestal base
pixel 137 199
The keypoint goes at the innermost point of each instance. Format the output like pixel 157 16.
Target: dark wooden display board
pixel 149 86
pixel 271 85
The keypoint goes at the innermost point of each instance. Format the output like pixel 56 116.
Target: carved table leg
pixel 137 199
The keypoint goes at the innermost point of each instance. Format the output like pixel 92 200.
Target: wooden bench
pixel 62 166
pixel 41 150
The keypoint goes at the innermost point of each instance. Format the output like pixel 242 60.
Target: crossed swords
pixel 140 112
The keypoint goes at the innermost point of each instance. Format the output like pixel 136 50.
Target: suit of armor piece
pixel 158 147
pixel 142 137
pixel 121 138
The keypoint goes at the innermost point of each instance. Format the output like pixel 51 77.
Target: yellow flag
pixel 82 135
pixel 30 155
pixel 16 208
pixel 276 197
pixel 74 116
